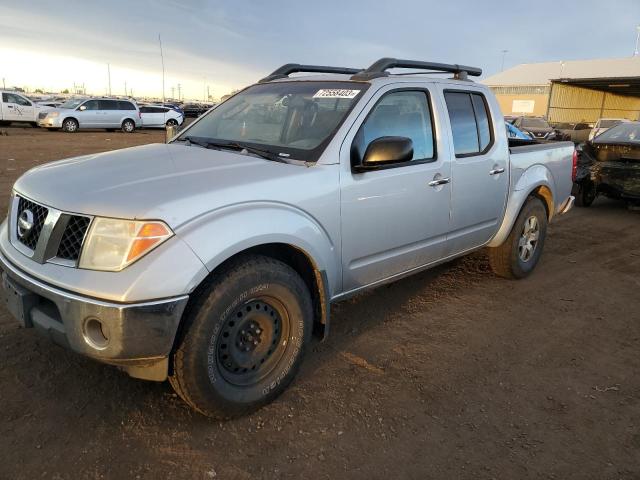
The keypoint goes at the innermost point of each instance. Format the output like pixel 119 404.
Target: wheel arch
pixel 540 190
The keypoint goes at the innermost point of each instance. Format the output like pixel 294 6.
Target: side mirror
pixel 386 151
pixel 82 108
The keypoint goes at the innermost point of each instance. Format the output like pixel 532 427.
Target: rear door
pixel 17 108
pixel 392 219
pixel 111 114
pixel 479 170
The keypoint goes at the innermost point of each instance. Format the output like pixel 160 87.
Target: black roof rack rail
pixel 285 70
pixel 379 68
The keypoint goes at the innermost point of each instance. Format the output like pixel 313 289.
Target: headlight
pixel 52 114
pixel 113 244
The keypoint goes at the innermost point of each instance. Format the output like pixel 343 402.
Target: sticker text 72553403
pixel 336 93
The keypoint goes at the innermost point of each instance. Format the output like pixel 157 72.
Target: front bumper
pixel 135 336
pixel 48 122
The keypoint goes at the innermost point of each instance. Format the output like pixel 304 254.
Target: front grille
pixel 41 115
pixel 72 238
pixel 30 239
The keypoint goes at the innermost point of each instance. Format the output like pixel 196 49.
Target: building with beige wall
pixel 571 91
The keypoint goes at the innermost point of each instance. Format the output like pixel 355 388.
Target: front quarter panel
pixel 223 233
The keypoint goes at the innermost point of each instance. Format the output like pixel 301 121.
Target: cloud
pixel 235 43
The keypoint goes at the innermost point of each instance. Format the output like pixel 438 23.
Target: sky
pixel 225 45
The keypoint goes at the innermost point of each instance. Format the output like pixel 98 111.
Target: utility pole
pixel 179 97
pixel 636 53
pixel 109 77
pixel 208 94
pixel 173 92
pixel 4 85
pixel 504 54
pixel 162 59
pixel 125 88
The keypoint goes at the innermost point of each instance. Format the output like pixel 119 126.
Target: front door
pixel 479 171
pixel 17 108
pixel 394 219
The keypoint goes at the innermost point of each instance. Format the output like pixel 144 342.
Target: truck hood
pixel 173 182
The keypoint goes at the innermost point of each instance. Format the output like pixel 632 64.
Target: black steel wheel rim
pixel 252 341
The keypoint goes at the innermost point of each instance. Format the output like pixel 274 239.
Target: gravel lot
pixel 453 373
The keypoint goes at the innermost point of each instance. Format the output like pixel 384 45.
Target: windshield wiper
pixel 219 145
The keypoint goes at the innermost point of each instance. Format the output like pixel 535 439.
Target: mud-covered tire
pixel 507 259
pixel 70 125
pixel 213 370
pixel 585 193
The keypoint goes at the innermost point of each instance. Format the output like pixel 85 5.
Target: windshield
pixel 621 133
pixel 607 123
pixel 534 123
pixel 289 119
pixel 73 103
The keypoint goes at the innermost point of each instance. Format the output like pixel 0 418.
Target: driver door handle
pixel 496 171
pixel 440 181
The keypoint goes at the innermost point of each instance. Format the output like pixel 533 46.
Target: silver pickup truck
pixel 211 260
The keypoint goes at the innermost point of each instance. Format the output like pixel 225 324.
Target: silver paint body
pixel 359 229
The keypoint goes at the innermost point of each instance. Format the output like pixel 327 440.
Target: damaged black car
pixel 609 165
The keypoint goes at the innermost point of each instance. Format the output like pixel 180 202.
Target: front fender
pixel 530 181
pixel 223 233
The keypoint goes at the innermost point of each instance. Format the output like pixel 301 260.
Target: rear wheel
pixel 585 193
pixel 243 338
pixel 128 126
pixel 520 252
pixel 70 125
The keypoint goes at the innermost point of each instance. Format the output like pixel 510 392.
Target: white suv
pixel 106 113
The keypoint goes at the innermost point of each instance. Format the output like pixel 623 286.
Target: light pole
pixel 504 54
pixel 635 52
pixel 109 75
pixel 162 59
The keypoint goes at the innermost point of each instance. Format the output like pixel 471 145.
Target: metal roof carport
pixel 588 99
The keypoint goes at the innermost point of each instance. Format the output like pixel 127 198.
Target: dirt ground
pixel 453 373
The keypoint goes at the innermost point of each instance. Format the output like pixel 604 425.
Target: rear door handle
pixel 496 171
pixel 440 181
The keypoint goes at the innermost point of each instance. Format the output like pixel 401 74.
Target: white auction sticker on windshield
pixel 336 93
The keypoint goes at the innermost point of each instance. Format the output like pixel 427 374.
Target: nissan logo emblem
pixel 25 223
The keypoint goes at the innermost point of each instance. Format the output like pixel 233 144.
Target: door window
pixel 108 105
pixel 125 106
pixel 17 99
pixel 470 123
pixel 400 114
pixel 91 105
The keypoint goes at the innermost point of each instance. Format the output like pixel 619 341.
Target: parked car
pixel 212 259
pixel 514 134
pixel 194 109
pixel 609 164
pixel 157 116
pixel 603 125
pixel 573 132
pixel 15 107
pixel 538 127
pixel 509 118
pixel 79 114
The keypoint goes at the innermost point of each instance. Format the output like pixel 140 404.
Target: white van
pixel 15 107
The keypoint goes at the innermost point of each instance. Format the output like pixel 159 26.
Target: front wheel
pixel 172 123
pixel 243 338
pixel 128 126
pixel 520 252
pixel 70 125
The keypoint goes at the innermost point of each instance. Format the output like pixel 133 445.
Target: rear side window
pixel 125 106
pixel 400 114
pixel 108 105
pixel 470 123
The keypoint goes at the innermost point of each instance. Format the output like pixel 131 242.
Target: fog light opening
pixel 96 333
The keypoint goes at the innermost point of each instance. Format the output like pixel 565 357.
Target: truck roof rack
pixel 286 70
pixel 379 68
